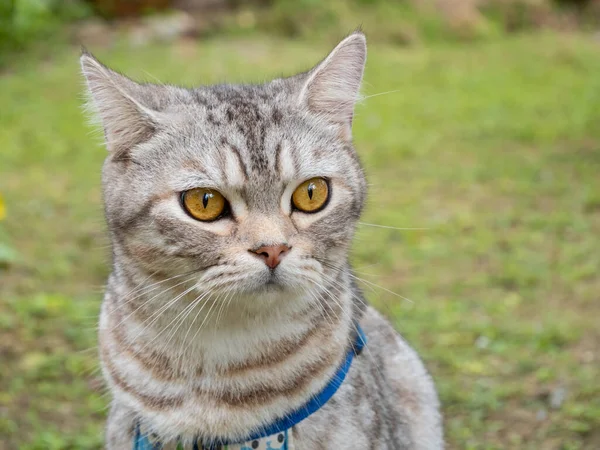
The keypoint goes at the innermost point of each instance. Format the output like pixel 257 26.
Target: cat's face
pixel 245 189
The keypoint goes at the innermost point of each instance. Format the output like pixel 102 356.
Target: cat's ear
pixel 332 87
pixel 122 105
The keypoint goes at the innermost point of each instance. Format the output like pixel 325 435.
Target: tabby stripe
pixel 277 156
pixel 279 353
pixel 159 365
pixel 149 401
pixel 264 395
pixel 238 155
pixel 126 223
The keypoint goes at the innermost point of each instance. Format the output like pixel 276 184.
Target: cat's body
pixel 214 328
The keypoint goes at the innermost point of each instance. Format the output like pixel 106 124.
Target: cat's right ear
pixel 331 89
pixel 122 105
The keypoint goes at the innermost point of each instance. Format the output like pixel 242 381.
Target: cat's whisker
pixel 344 311
pixel 339 270
pixel 148 74
pixel 325 117
pixel 382 288
pixel 213 303
pixel 366 273
pixel 390 227
pixel 187 311
pixel 85 351
pixel 140 292
pixel 179 319
pixel 140 284
pixel 198 301
pixel 360 299
pixel 227 300
pixel 367 282
pixel 147 302
pixel 158 314
pixel 326 291
pixel 354 325
pixel 338 286
pixel 365 266
pixel 357 297
pixel 155 316
pixel 362 99
pixel 322 309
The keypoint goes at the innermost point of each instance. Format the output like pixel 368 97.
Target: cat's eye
pixel 204 204
pixel 311 196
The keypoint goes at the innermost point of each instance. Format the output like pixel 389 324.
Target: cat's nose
pixel 271 254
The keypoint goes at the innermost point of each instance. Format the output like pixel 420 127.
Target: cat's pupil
pixel 254 444
pixel 280 438
pixel 205 199
pixel 310 188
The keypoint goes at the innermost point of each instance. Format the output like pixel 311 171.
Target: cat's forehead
pixel 249 135
pixel 243 105
pixel 242 95
pixel 245 122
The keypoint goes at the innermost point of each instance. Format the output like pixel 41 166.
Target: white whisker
pixel 145 303
pixel 390 227
pixel 158 313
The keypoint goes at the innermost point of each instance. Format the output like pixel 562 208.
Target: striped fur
pixel 198 337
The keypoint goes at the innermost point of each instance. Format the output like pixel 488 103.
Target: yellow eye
pixel 203 204
pixel 311 195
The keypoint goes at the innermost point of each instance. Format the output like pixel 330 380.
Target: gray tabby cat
pixel 231 302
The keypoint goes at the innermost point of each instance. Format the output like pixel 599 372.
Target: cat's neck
pixel 222 330
pixel 265 363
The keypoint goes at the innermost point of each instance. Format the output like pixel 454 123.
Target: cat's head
pixel 244 188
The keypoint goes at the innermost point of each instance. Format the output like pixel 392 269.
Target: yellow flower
pixel 2 209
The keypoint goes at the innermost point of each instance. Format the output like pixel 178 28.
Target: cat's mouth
pixel 276 281
pixel 273 281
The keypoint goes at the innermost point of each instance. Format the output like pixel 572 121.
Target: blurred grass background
pixel 483 131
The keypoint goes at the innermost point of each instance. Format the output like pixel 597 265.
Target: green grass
pixel 493 148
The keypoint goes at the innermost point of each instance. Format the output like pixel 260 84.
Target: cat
pixel 231 305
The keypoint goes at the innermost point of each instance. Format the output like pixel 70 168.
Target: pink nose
pixel 271 254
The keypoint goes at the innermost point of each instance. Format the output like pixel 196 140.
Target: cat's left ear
pixel 127 110
pixel 332 87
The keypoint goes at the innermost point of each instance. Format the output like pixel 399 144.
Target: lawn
pixel 487 154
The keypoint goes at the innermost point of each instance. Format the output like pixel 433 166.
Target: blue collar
pixel 141 441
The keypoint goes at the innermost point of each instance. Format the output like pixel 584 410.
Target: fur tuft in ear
pixel 332 87
pixel 121 106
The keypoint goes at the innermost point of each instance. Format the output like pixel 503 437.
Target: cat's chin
pixel 272 290
pixel 273 285
pixel 279 281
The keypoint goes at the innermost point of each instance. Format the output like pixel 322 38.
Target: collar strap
pixel 142 442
